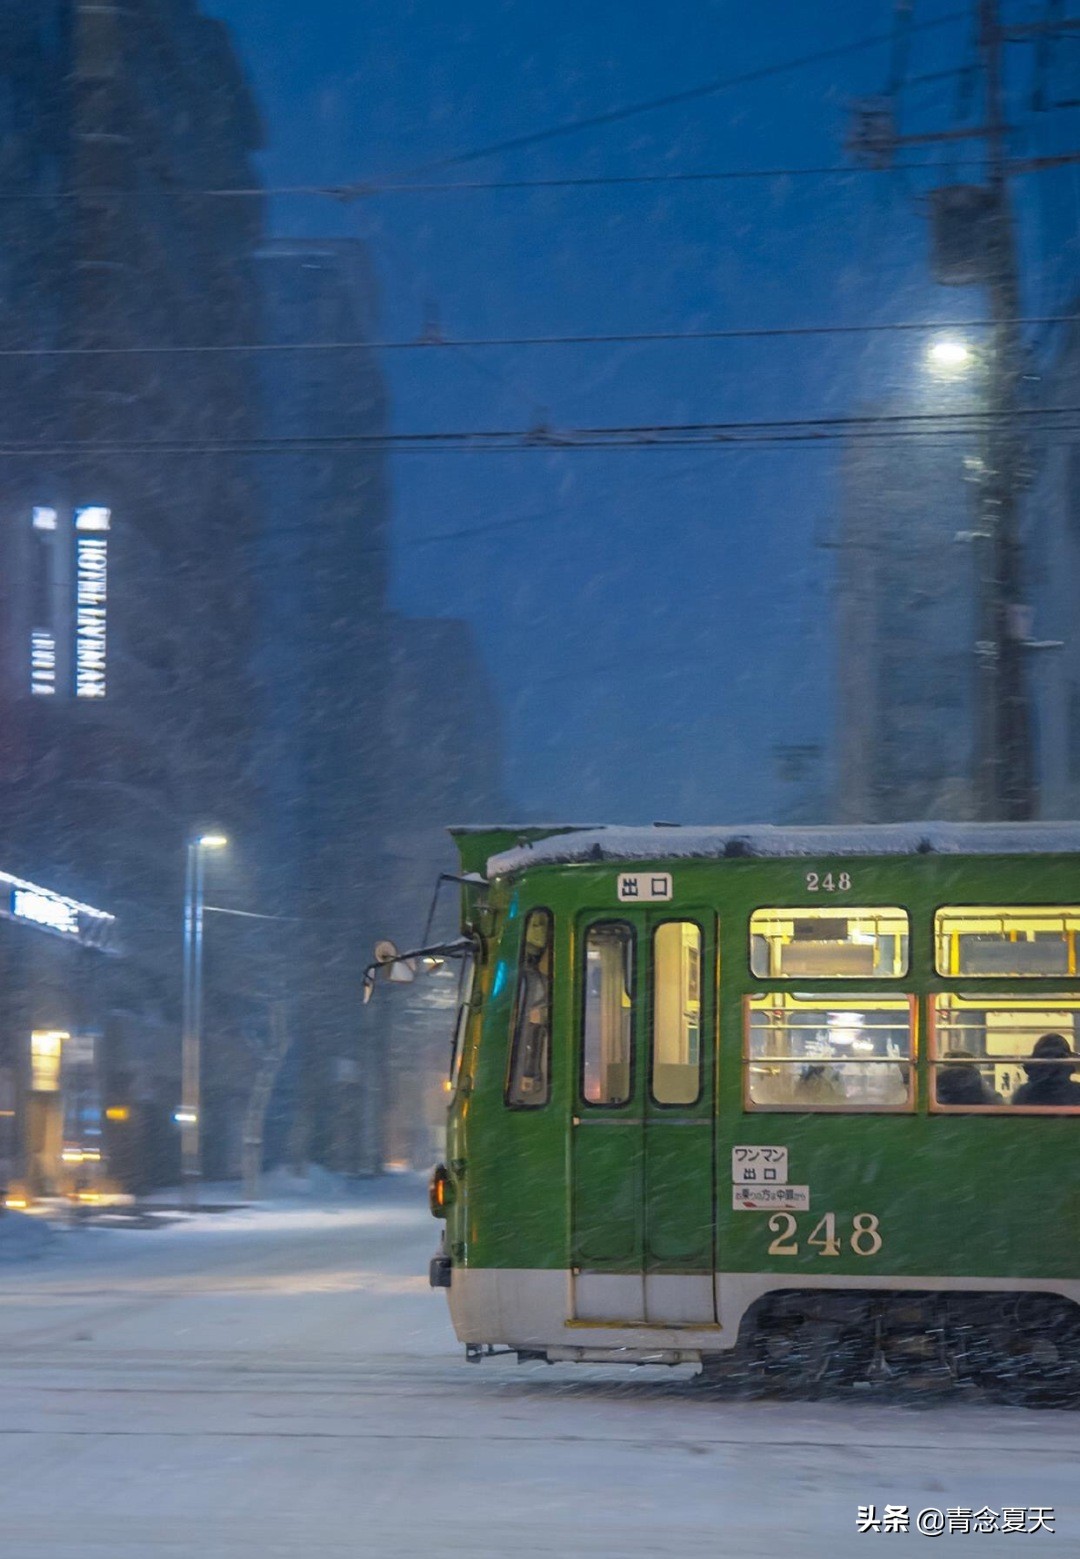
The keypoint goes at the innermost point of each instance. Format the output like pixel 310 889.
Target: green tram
pixel 791 1100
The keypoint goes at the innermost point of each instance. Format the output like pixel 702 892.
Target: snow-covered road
pixel 282 1383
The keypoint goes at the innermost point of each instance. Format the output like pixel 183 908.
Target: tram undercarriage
pixel 1021 1348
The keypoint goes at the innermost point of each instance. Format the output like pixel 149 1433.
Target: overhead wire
pixel 430 342
pixel 350 193
pixel 900 426
pixel 400 179
pixel 673 99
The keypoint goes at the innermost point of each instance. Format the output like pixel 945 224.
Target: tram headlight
pixel 440 1191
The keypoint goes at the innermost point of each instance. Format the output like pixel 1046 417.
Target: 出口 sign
pixel 644 887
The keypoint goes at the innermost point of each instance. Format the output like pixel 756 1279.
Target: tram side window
pixel 676 1013
pixel 817 1053
pixel 529 1076
pixel 1016 940
pixel 608 1012
pixel 1021 1051
pixel 829 943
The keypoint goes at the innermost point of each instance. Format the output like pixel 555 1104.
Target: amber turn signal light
pixel 440 1191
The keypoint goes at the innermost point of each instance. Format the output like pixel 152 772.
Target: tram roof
pixel 567 846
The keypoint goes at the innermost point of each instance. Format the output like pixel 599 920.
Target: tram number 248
pixel 864 1236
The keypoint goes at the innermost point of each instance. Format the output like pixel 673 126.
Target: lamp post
pixel 188 1115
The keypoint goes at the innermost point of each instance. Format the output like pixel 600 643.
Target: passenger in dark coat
pixel 963 1084
pixel 1051 1082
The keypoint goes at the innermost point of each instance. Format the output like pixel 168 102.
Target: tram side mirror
pixel 400 970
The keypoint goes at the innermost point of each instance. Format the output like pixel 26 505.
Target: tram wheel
pixel 1035 1360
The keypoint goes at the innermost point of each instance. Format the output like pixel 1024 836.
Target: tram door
pixel 642 1133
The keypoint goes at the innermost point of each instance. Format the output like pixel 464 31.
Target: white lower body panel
pixel 535 1309
pixel 649 1299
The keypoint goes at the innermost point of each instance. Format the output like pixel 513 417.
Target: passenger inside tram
pixel 1049 1071
pixel 964 1084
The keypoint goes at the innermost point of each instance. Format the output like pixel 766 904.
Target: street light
pixel 187 1116
pixel 948 354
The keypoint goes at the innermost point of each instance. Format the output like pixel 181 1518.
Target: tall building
pixel 126 519
pixel 443 766
pixel 376 731
pixel 322 667
pixel 906 645
pixel 905 633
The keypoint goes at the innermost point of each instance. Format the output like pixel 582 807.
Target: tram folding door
pixel 642 1151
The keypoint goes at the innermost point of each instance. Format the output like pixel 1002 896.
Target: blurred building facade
pixel 322 665
pixel 905 631
pixel 375 731
pixel 195 636
pixel 443 766
pixel 127 612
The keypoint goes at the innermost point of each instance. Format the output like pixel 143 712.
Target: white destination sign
pixel 644 887
pixel 770 1198
pixel 754 1165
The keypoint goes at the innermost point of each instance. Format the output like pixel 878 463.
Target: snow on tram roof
pixel 671 842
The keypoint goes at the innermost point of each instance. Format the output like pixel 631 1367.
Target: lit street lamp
pixel 950 355
pixel 187 1116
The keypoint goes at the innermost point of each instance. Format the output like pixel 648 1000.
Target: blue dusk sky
pixel 656 622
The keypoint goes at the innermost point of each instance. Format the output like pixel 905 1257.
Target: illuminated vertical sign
pixel 44 564
pixel 91 600
pixel 42 663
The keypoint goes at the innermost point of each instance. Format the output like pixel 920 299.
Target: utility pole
pixel 1004 778
pixel 1005 781
pixel 975 241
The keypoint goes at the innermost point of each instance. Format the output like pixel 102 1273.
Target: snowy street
pixel 282 1383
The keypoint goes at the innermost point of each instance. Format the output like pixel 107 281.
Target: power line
pixel 348 193
pixel 598 338
pixel 484 527
pixel 400 181
pixel 897 427
pixel 673 99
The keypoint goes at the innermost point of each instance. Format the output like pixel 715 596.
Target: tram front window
pixel 608 1012
pixel 466 981
pixel 530 1050
pixel 802 1054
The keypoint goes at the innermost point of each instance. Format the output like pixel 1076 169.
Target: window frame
pixel 838 909
pixel 463 1010
pixel 599 1104
pixel 948 974
pixel 690 1104
pixel 513 1104
pixel 935 1107
pixel 910 1108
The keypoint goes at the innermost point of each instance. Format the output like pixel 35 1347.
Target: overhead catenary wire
pixel 403 179
pixel 900 426
pixel 585 338
pixel 674 99
pixel 349 193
